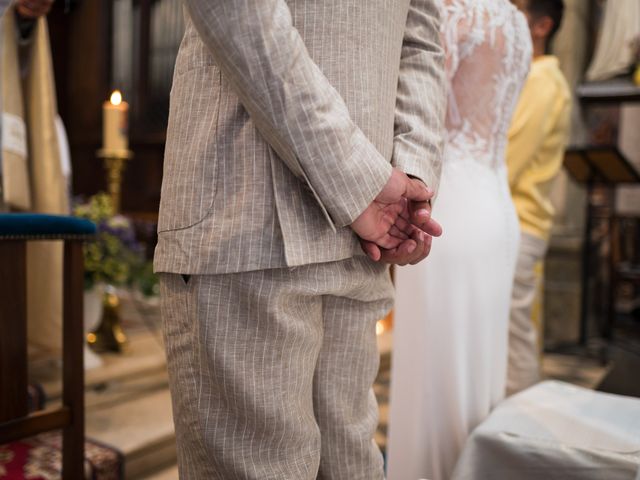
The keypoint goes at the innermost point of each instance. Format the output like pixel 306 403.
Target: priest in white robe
pixel 32 172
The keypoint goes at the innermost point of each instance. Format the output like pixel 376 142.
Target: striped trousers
pixel 271 371
pixel 526 317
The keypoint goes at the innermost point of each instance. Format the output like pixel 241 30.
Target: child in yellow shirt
pixel 537 140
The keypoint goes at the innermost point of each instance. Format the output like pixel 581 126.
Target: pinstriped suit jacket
pixel 285 121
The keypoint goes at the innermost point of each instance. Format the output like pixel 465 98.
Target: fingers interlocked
pixel 413 229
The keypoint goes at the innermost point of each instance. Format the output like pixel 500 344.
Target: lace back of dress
pixel 488 49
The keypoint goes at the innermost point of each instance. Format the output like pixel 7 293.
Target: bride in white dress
pixel 452 311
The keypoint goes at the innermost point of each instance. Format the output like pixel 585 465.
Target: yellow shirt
pixel 537 139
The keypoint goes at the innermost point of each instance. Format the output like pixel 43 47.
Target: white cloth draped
pixel 614 54
pixel 555 430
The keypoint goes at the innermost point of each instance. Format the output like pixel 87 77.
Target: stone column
pixel 562 266
pixel 571 46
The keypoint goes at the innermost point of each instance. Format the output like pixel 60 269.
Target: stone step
pixel 170 473
pixel 143 356
pixel 127 403
pixel 141 428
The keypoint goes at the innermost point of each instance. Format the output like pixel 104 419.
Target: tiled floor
pixel 581 371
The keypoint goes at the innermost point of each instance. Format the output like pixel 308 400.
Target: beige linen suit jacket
pixel 286 118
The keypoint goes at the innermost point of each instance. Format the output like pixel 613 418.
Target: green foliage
pixel 115 255
pixel 147 281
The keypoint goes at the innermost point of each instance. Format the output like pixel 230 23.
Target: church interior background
pixel 591 293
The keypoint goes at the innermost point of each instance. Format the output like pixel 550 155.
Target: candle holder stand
pixel 115 162
pixel 109 336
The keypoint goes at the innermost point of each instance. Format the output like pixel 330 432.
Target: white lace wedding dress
pixel 452 310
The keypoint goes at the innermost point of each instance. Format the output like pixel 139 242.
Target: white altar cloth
pixel 556 431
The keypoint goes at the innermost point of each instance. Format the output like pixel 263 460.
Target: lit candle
pixel 115 123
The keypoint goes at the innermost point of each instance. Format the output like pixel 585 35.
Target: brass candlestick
pixel 115 161
pixel 109 336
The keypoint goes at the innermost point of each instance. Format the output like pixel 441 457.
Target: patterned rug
pixel 40 458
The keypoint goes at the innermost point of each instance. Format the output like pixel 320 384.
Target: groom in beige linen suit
pixel 297 130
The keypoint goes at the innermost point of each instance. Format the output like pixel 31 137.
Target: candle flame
pixel 116 98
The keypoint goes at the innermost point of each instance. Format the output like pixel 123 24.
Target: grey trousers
pixel 525 319
pixel 271 371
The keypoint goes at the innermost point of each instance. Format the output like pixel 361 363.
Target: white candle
pixel 115 123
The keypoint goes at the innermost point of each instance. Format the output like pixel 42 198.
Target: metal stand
pixel 586 269
pixel 115 162
pixel 603 168
pixel 109 335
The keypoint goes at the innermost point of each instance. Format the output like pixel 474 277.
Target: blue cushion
pixel 36 225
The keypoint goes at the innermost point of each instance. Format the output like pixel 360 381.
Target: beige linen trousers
pixel 286 118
